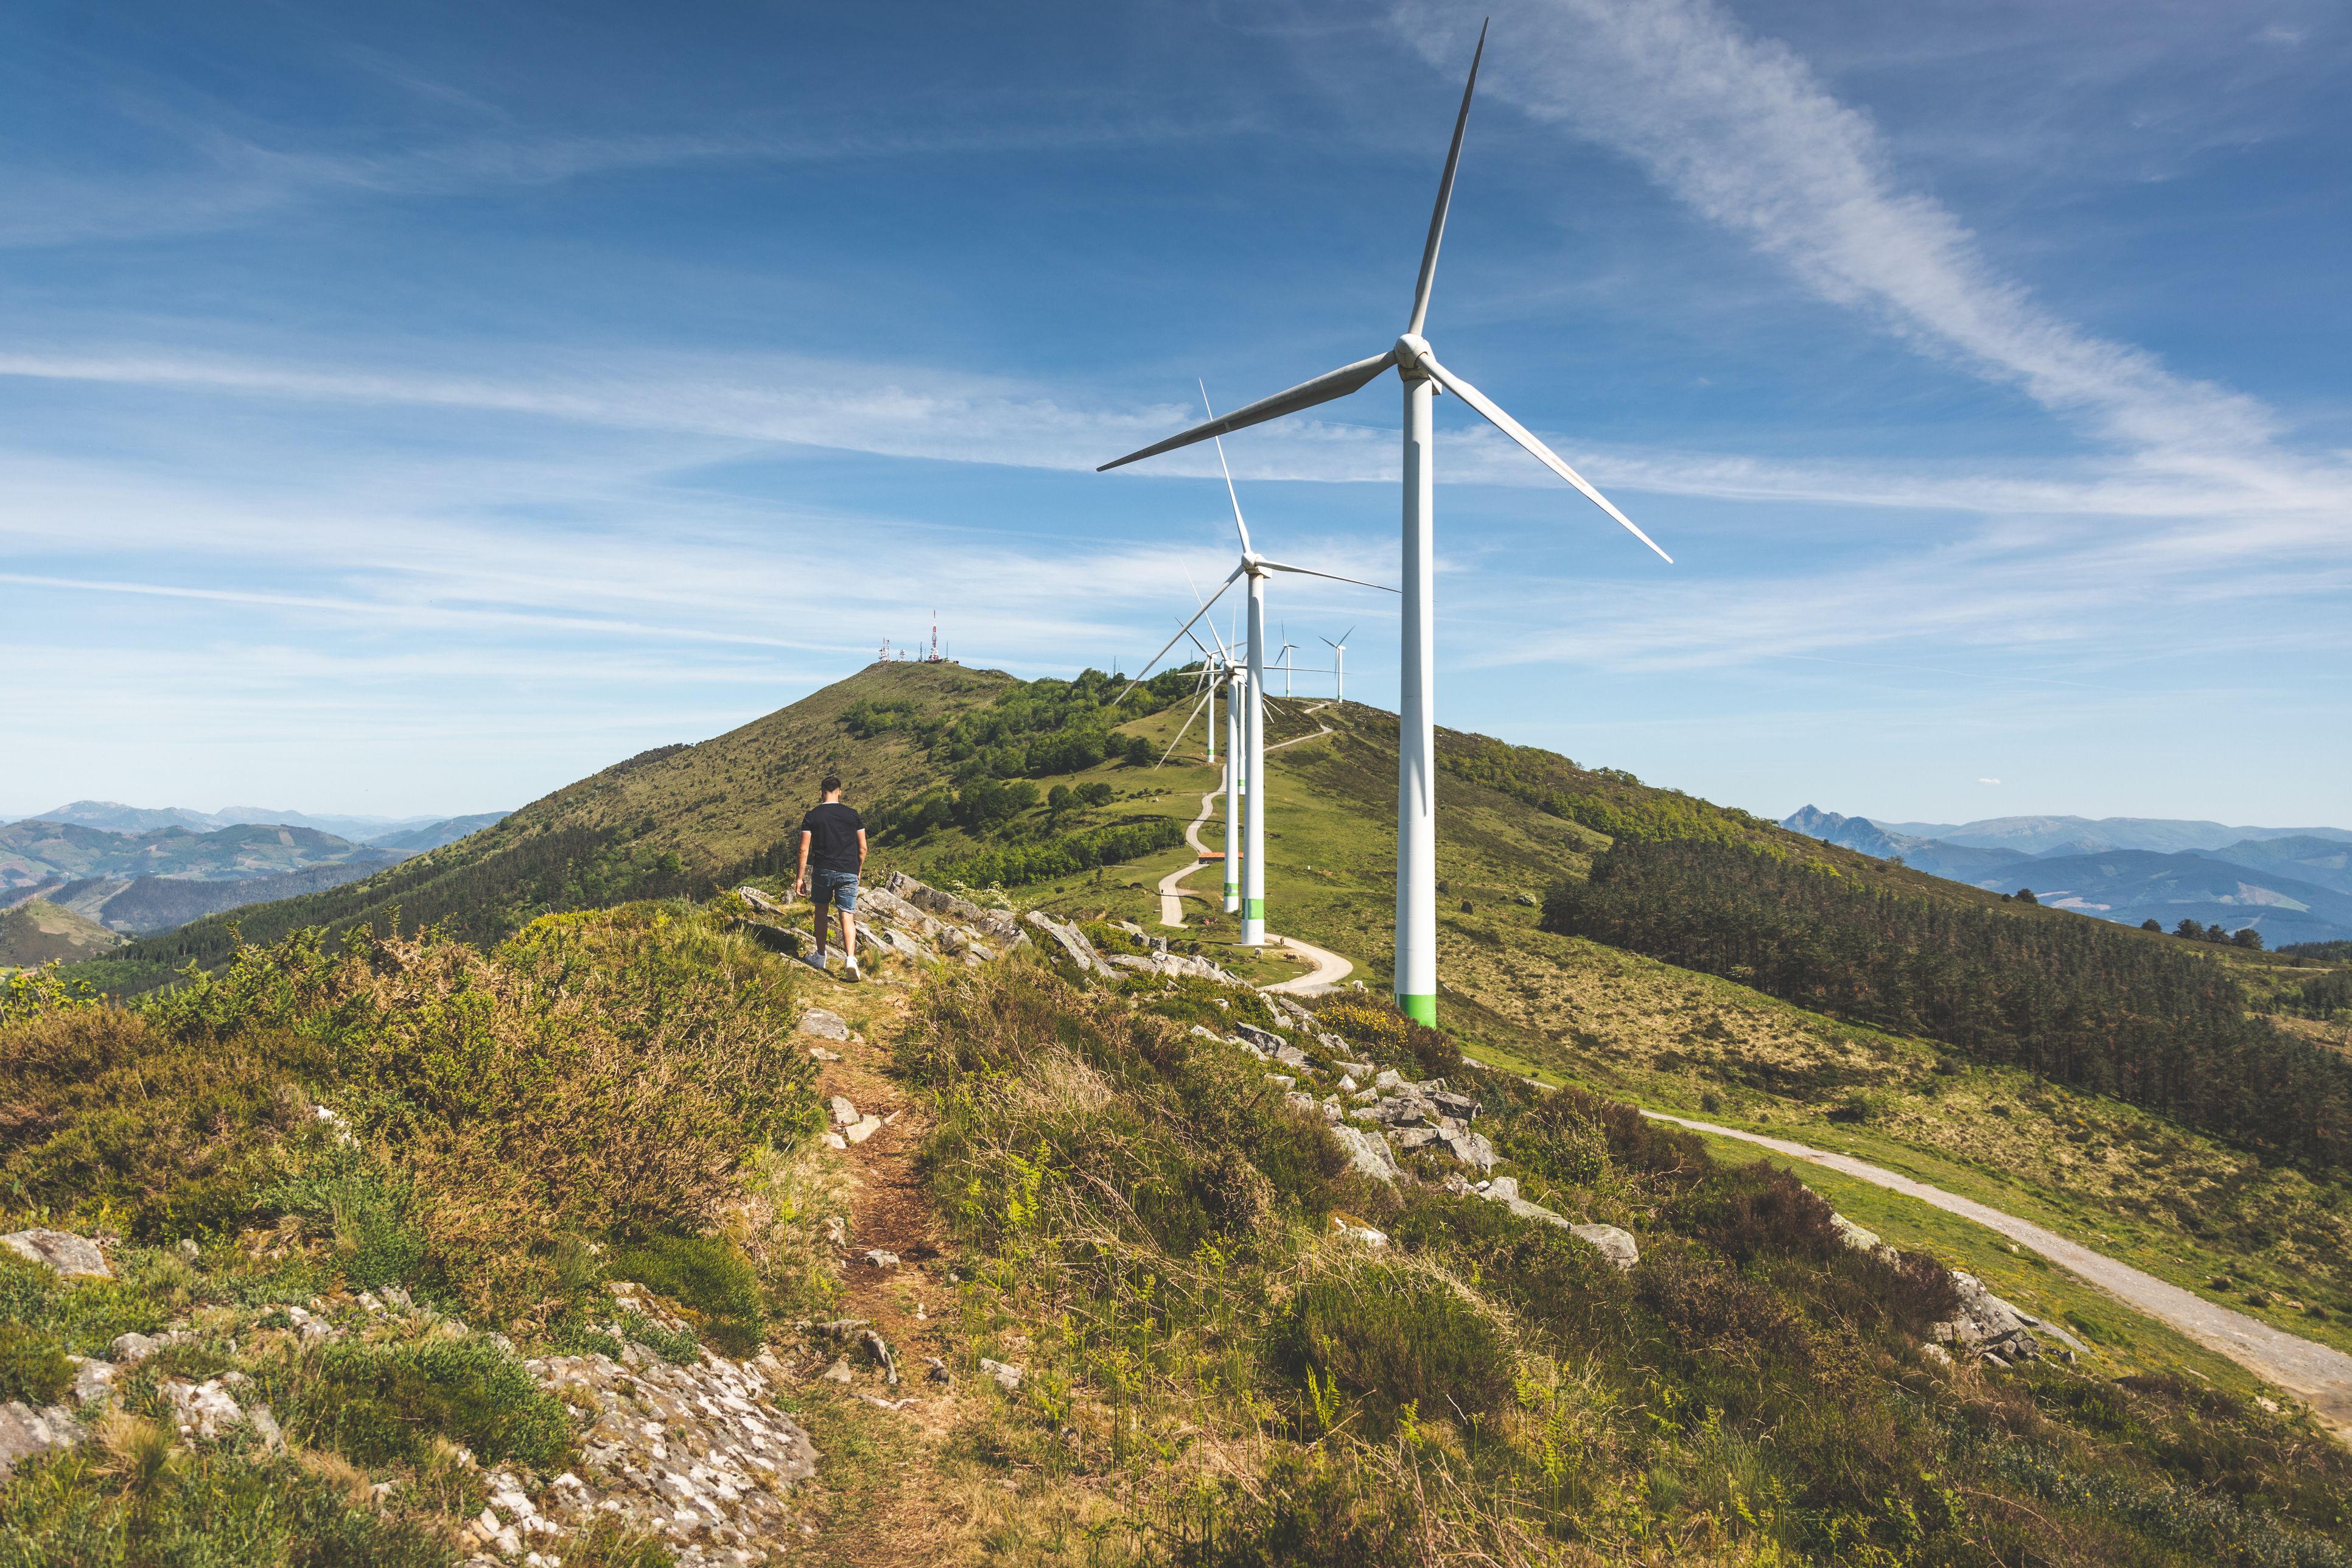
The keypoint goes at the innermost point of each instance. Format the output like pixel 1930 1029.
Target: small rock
pixel 130 1348
pixel 1008 1378
pixel 1617 1246
pixel 265 1426
pixel 1389 1080
pixel 835 1141
pixel 844 1112
pixel 1853 1235
pixel 823 1024
pixel 836 1230
pixel 189 1250
pixel 821 1053
pixel 939 1372
pixel 1354 1229
pixel 1935 1353
pixel 93 1379
pixel 62 1250
pixel 838 1371
pixel 881 1260
pixel 865 1127
pixel 203 1409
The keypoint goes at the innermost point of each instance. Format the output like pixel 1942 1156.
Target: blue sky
pixel 412 409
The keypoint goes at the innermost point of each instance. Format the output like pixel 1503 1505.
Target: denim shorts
pixel 838 888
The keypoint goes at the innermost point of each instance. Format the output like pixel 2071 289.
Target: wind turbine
pixel 1416 365
pixel 1338 663
pixel 1288 647
pixel 1251 750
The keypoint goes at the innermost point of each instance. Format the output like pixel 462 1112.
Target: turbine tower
pixel 1417 367
pixel 1251 750
pixel 1339 664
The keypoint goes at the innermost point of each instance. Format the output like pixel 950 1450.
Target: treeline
pixel 1065 855
pixel 2084 1004
pixel 1034 730
pixel 1606 800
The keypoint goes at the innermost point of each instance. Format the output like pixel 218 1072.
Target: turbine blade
pixel 1230 495
pixel 1445 194
pixel 1311 571
pixel 1334 384
pixel 1541 453
pixel 1171 752
pixel 1172 642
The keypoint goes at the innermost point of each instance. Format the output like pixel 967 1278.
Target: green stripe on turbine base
pixel 1420 1009
pixel 1253 908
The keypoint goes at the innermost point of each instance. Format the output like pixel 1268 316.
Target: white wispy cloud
pixel 1740 129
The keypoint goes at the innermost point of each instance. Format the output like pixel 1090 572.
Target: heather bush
pixel 1393 1336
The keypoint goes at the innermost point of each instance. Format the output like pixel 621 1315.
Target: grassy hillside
pixel 925 747
pixel 37 931
pixel 390 1192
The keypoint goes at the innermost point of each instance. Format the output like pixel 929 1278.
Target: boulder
pixel 1367 1152
pixel 1264 1039
pixel 1854 1235
pixel 1072 941
pixel 1618 1246
pixel 1008 1378
pixel 93 1379
pixel 202 1409
pixel 25 1432
pixel 62 1250
pixel 881 904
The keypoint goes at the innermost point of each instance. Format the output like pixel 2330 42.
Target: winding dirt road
pixel 2317 1372
pixel 1329 967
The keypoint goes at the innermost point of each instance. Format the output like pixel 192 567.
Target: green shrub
pixel 707 1275
pixel 147 1502
pixel 346 1194
pixel 1747 1211
pixel 167 1130
pixel 1309 1512
pixel 1390 1335
pixel 383 1404
pixel 33 1366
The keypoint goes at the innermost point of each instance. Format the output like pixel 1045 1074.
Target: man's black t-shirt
pixel 832 829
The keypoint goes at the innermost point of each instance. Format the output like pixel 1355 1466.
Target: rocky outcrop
pixel 1072 941
pixel 70 1254
pixel 698 1455
pixel 990 924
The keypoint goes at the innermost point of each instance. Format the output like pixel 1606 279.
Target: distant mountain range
pixel 113 817
pixel 154 869
pixel 2290 884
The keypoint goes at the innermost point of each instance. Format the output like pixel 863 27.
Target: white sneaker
pixel 816 960
pixel 850 970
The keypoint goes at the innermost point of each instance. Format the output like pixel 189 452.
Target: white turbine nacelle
pixel 1424 376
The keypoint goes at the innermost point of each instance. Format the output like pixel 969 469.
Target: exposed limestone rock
pixel 1354 1229
pixel 93 1380
pixel 62 1250
pixel 697 1455
pixel 1854 1235
pixel 25 1432
pixel 1367 1152
pixel 823 1024
pixel 1072 941
pixel 202 1409
pixel 1618 1246
pixel 995 925
pixel 844 1111
pixel 1008 1378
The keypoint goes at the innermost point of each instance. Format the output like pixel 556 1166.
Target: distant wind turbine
pixel 1338 663
pixel 1251 753
pixel 1416 365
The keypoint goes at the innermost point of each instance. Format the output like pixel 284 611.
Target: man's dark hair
pixel 831 785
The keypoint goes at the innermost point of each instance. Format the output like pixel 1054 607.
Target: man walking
pixel 833 852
